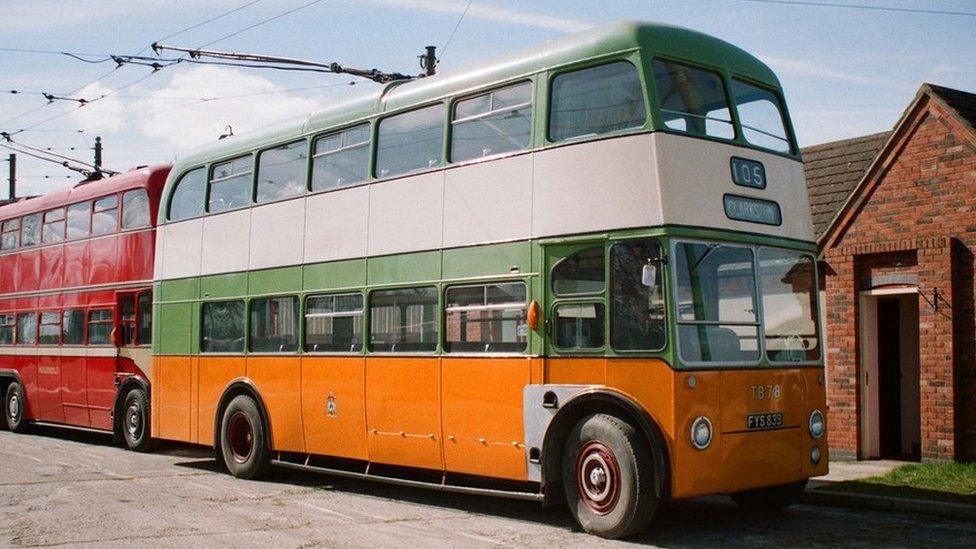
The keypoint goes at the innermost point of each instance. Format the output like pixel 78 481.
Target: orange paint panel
pixel 195 400
pixel 538 370
pixel 576 371
pixel 338 429
pixel 172 389
pixel 751 460
pixel 154 400
pixel 279 383
pixel 757 391
pixel 483 422
pixel 214 374
pixel 403 411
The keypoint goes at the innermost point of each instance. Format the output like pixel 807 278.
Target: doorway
pixel 889 375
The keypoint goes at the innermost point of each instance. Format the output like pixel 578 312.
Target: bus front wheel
pixel 608 477
pixel 243 439
pixel 135 420
pixel 14 406
pixel 772 498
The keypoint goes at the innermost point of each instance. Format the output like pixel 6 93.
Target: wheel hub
pixel 240 436
pixel 598 477
pixel 14 406
pixel 133 421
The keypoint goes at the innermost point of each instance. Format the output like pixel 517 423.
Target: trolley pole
pixel 12 159
pixel 98 154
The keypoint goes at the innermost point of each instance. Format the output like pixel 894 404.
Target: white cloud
pixel 490 13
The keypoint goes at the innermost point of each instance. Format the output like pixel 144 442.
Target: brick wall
pixel 918 221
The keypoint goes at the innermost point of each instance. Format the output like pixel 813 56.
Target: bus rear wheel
pixel 772 498
pixel 243 439
pixel 135 420
pixel 14 406
pixel 608 477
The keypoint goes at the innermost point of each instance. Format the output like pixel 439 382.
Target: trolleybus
pixel 76 305
pixel 584 273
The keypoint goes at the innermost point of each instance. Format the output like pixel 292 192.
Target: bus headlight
pixel 817 424
pixel 815 455
pixel 701 433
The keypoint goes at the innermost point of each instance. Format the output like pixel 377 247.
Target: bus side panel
pixel 483 424
pixel 49 406
pixel 403 411
pixel 279 382
pixel 214 375
pixel 135 258
pixel 576 371
pixel 76 257
pixel 52 265
pixel 8 266
pixel 102 255
pixel 28 271
pixel 74 389
pixel 334 406
pixel 101 386
pixel 171 388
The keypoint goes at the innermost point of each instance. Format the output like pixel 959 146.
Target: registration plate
pixel 758 422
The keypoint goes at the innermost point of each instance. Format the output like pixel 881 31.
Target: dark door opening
pixel 898 387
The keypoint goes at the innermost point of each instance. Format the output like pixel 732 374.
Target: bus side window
pixel 230 184
pixel 8 325
pixel 30 230
pixel 144 320
pixel 223 327
pixel 281 171
pixel 79 220
pixel 410 141
pixel 579 325
pixel 26 328
pixel 11 235
pixel 341 159
pixel 189 197
pixel 127 319
pixel 135 209
pixel 486 318
pixel 73 327
pixel 403 320
pixel 105 219
pixel 274 325
pixel 100 327
pixel 596 100
pixel 50 328
pixel 334 323
pixel 580 273
pixel 493 123
pixel 53 231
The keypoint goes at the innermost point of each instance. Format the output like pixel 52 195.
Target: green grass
pixel 952 482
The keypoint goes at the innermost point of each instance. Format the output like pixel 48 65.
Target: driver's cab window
pixel 579 323
pixel 637 311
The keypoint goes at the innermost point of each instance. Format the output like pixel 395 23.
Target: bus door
pixel 135 333
pixel 575 312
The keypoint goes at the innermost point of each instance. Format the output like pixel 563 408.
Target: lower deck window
pixel 27 328
pixel 403 320
pixel 274 325
pixel 100 327
pixel 50 328
pixel 73 327
pixel 7 329
pixel 486 318
pixel 223 327
pixel 334 323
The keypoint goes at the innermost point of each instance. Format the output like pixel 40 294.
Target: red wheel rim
pixel 240 433
pixel 598 477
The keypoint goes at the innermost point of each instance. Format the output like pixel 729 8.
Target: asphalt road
pixel 63 488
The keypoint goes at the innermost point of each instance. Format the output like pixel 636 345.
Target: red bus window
pixel 105 219
pixel 79 220
pixel 11 235
pixel 53 227
pixel 30 230
pixel 27 329
pixel 50 328
pixel 135 209
pixel 73 327
pixel 8 325
pixel 145 318
pixel 127 317
pixel 99 327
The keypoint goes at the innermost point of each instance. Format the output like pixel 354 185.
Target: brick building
pixel 895 215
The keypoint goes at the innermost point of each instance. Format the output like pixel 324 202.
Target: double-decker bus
pixel 76 306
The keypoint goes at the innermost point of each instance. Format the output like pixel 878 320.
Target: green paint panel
pixel 178 290
pixel 497 259
pixel 404 268
pixel 275 281
pixel 225 285
pixel 175 329
pixel 341 274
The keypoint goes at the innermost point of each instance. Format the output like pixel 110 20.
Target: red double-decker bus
pixel 76 269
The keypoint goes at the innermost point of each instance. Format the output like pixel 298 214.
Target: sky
pixel 846 72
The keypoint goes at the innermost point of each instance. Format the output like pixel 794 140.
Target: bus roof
pixel 151 177
pixel 657 39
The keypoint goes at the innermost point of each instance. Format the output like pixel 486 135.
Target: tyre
pixel 772 498
pixel 243 439
pixel 14 407
pixel 608 477
pixel 134 423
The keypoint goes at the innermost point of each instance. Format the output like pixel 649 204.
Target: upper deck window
pixel 53 227
pixel 10 235
pixel 30 234
pixel 230 184
pixel 281 171
pixel 692 100
pixel 493 123
pixel 410 141
pixel 105 216
pixel 596 100
pixel 135 209
pixel 79 220
pixel 190 195
pixel 341 159
pixel 760 116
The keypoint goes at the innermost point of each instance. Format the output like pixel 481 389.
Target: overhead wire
pixel 454 30
pixel 813 3
pixel 259 23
